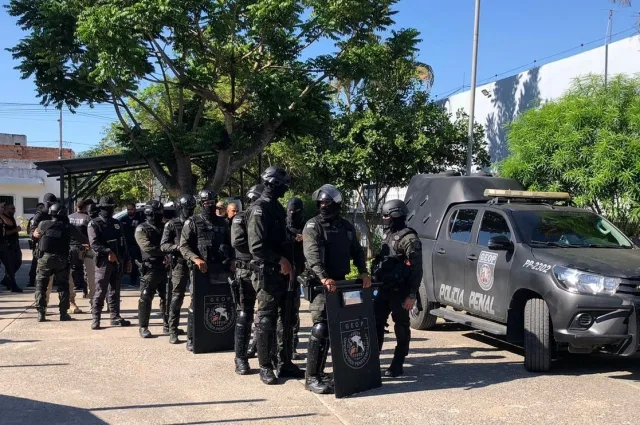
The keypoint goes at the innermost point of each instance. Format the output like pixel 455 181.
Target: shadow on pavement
pixel 195 403
pixel 265 418
pixel 32 365
pixel 16 410
pixel 8 341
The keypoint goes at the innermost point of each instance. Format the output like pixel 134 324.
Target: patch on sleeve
pixel 117 226
pixel 311 225
pixel 139 229
pixel 417 245
pixel 257 211
pixel 237 220
pixel 187 222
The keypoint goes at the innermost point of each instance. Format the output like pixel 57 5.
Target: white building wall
pixel 20 179
pixel 499 102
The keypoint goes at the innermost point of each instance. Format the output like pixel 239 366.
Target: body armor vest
pixel 155 236
pixel 178 224
pixel 336 247
pixel 210 238
pixel 55 238
pixel 239 238
pixel 390 266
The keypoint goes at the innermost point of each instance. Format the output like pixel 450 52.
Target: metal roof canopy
pixel 93 170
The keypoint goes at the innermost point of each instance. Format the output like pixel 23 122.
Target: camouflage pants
pixel 57 267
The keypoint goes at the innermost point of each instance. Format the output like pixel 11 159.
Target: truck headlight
pixel 581 282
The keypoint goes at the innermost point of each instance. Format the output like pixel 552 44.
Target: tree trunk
pixel 184 174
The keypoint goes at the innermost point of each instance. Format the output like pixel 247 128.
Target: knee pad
pixel 320 331
pixel 243 318
pixel 146 295
pixel 267 323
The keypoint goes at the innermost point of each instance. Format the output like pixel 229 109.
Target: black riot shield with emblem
pixel 214 313
pixel 354 343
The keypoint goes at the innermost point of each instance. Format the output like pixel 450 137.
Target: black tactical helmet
pixel 187 202
pixel 152 208
pixel 207 195
pixel 57 210
pixel 395 208
pixel 50 198
pixel 106 202
pixel 327 193
pixel 295 204
pixel 276 177
pixel 255 192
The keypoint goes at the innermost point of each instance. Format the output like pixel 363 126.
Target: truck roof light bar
pixel 524 194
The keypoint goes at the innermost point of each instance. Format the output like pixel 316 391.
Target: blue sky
pixel 512 35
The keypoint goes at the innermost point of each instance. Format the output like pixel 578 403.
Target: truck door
pixel 487 275
pixel 450 256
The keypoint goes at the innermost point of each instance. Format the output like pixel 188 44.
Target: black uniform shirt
pixel 266 230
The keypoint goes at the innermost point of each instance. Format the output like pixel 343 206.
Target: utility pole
pixel 474 66
pixel 60 127
pixel 607 40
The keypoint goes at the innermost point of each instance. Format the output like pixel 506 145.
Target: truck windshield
pixel 574 229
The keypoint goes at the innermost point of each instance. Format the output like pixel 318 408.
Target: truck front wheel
pixel 423 320
pixel 537 336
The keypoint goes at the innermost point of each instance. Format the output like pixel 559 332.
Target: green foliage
pixel 242 64
pixel 586 143
pixel 130 186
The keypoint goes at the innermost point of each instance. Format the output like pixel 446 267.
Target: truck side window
pixel 461 229
pixel 493 224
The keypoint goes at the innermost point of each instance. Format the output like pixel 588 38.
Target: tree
pixel 129 186
pixel 386 130
pixel 247 60
pixel 586 143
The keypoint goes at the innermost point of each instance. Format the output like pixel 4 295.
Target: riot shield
pixel 214 312
pixel 354 342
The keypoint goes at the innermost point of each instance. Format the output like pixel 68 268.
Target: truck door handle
pixel 472 257
pixel 441 251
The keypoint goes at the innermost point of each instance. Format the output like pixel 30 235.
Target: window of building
pixel 493 224
pixel 461 229
pixel 29 205
pixel 6 199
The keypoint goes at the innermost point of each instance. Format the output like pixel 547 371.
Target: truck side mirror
pixel 636 242
pixel 500 243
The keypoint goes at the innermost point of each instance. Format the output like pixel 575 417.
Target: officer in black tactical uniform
pixel 330 243
pixel 247 293
pixel 54 238
pixel 206 243
pixel 154 277
pixel 43 214
pixel 78 254
pixel 266 230
pixel 170 245
pixel 399 267
pixel 107 241
pixel 295 255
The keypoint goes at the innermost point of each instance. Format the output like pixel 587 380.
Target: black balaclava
pixel 271 192
pixel 330 212
pixel 295 214
pixel 157 219
pixel 208 209
pixel 394 224
pixel 106 212
pixel 93 210
pixel 185 212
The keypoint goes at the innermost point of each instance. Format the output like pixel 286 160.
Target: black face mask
pixel 208 212
pixel 185 213
pixel 157 219
pixel 393 224
pixel 271 192
pixel 106 212
pixel 295 220
pixel 330 211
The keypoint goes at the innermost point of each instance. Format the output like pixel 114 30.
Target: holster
pixel 308 280
pixel 261 269
pixel 235 290
pixel 141 267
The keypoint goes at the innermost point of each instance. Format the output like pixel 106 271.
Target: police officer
pixel 247 301
pixel 401 277
pixel 206 242
pixel 148 236
pixel 329 244
pixel 54 244
pixel 266 230
pixel 295 254
pixel 179 271
pixel 79 255
pixel 111 256
pixel 129 225
pixel 40 215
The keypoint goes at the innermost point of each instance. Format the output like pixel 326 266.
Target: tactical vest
pixel 390 267
pixel 210 237
pixel 55 238
pixel 178 224
pixel 110 234
pixel 239 238
pixel 336 247
pixel 80 221
pixel 155 236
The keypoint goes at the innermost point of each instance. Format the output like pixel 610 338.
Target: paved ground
pixel 64 373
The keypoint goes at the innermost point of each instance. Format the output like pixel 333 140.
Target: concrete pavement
pixel 64 373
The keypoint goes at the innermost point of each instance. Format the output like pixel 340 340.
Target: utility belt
pixel 178 259
pixel 264 267
pixel 242 264
pixel 145 265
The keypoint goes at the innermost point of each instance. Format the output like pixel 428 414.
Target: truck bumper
pixel 590 323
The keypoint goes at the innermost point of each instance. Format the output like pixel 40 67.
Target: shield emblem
pixel 356 345
pixel 220 314
pixel 485 269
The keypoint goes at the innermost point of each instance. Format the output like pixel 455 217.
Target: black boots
pixel 144 311
pixel 316 381
pixel 190 330
pixel 64 317
pixel 395 368
pixel 286 368
pixel 95 324
pixel 242 335
pixel 119 321
pixel 42 315
pixel 264 340
pixel 145 333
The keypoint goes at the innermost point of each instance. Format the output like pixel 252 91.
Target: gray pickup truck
pixel 514 263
